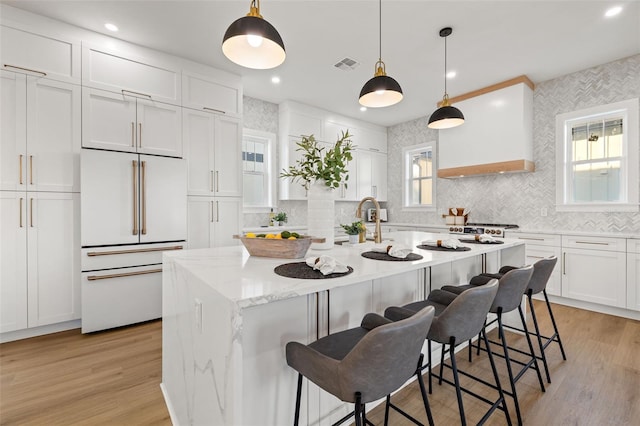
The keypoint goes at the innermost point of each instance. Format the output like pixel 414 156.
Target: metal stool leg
pixel 514 393
pixel 538 335
pixel 359 409
pixel 386 410
pixel 296 419
pixel 555 327
pixel 533 354
pixel 495 376
pixel 456 379
pixel 423 392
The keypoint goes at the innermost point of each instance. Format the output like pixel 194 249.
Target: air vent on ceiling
pixel 347 64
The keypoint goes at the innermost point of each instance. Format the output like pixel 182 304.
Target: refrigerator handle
pixel 21 200
pixel 20 159
pixel 144 197
pixel 135 197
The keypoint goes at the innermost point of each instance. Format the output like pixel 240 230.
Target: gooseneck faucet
pixel 377 235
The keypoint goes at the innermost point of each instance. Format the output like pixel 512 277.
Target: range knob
pixel 451 229
pixel 498 232
pixel 492 231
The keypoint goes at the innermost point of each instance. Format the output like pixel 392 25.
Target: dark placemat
pixel 384 256
pixel 434 248
pixel 303 271
pixel 480 242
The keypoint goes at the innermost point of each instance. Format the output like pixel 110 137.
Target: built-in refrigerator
pixel 133 207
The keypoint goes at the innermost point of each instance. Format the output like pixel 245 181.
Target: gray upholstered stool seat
pixel 511 289
pixel 365 363
pixel 542 271
pixel 458 318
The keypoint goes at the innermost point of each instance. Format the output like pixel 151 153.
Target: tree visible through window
pixel 419 168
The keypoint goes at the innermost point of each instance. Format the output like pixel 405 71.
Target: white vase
pixel 354 239
pixel 321 214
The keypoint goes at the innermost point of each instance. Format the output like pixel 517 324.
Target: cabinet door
pixel 54 257
pixel 108 120
pixel 53 136
pixel 109 184
pixel 13 261
pixel 200 220
pixel 227 214
pixel 159 128
pixel 348 190
pixel 228 157
pixel 203 93
pixel 372 174
pixel 397 290
pixel 163 199
pixel 289 155
pixel 594 276
pixel 13 128
pixel 633 281
pixel 198 136
pixel 535 253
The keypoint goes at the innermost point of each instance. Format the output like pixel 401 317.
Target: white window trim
pixel 271 167
pixel 631 147
pixel 406 168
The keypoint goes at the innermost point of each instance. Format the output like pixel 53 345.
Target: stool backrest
pixel 386 357
pixel 542 271
pixel 464 317
pixel 511 287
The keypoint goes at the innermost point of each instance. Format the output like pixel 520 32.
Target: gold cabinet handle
pixel 134 163
pixel 133 134
pixel 211 181
pixel 214 110
pixel 21 200
pixel 125 92
pixel 31 212
pixel 146 250
pixel 211 211
pixel 217 181
pixel 217 211
pixel 143 195
pixel 126 274
pixel 31 170
pixel 25 69
pixel 564 263
pixel 140 135
pixel 20 166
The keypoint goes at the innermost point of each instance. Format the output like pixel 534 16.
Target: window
pixel 419 187
pixel 597 160
pixel 258 170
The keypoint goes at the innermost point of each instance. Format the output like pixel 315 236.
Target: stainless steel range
pixel 493 229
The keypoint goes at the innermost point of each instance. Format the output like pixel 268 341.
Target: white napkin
pixel 452 243
pixel 485 238
pixel 326 264
pixel 394 250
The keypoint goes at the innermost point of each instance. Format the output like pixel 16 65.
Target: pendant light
pixel 446 116
pixel 381 90
pixel 253 42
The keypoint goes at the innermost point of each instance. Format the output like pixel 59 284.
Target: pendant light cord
pixel 445 66
pixel 380 32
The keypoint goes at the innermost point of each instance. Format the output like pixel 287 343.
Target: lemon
pixel 292 238
pixel 250 235
pixel 278 237
pixel 270 236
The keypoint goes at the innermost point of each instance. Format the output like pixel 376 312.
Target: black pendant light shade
pixel 253 42
pixel 381 90
pixel 446 116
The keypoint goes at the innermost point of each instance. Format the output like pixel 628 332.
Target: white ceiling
pixel 492 41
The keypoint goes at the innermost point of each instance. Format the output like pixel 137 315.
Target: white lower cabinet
pixel 594 270
pixel 541 246
pixel 213 221
pixel 633 274
pixel 40 259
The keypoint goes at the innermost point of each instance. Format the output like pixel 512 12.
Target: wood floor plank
pixel 113 378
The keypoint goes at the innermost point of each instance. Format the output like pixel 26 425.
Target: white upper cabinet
pixel 208 94
pixel 39 55
pixel 372 174
pixel 126 123
pixel 155 79
pixel 213 149
pixel 40 135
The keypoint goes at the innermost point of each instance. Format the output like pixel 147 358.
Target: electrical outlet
pixel 543 211
pixel 198 314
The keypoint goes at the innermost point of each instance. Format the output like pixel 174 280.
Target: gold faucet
pixel 377 235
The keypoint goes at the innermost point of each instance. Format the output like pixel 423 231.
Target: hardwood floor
pixel 113 378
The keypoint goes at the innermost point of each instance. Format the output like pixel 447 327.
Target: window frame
pixel 270 170
pixel 407 179
pixel 628 111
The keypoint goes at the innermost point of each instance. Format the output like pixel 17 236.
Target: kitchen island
pixel 227 318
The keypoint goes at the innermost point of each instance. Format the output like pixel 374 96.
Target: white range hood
pixel 497 135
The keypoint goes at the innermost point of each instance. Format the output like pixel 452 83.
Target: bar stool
pixel 366 363
pixel 509 296
pixel 458 318
pixel 542 271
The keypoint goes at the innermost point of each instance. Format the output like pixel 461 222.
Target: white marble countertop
pixel 248 280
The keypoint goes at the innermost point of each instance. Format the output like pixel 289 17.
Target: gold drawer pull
pixel 145 250
pixel 126 274
pixel 25 69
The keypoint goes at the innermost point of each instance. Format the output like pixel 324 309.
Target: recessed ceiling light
pixel 275 80
pixel 363 108
pixel 111 27
pixel 613 11
pixel 451 74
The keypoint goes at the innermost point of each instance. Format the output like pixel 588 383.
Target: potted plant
pixel 320 170
pixel 280 218
pixel 353 231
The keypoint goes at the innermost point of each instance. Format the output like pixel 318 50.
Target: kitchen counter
pixel 227 317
